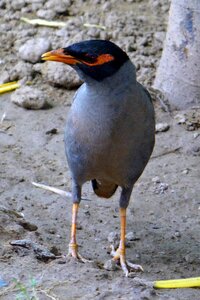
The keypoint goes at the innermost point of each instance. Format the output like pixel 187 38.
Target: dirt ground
pixel 163 221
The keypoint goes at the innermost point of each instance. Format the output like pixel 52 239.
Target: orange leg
pixel 120 253
pixel 73 247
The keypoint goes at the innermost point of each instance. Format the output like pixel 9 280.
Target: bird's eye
pixel 90 58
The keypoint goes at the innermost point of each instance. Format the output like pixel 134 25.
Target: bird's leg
pixel 120 253
pixel 73 247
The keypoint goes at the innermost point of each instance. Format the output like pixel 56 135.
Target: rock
pixel 59 74
pixel 32 50
pixel 185 172
pixel 160 36
pixel 156 179
pixel 21 70
pixel 4 77
pixel 130 236
pixel 196 134
pixel 18 5
pixel 110 265
pixel 113 237
pixel 47 14
pixel 30 98
pixel 161 188
pixel 180 118
pixel 162 127
pixel 177 234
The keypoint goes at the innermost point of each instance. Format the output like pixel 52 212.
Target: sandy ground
pixel 164 212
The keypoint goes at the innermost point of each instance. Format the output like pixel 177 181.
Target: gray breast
pixel 110 131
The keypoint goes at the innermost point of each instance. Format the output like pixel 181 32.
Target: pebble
pixel 160 36
pixel 130 236
pixel 58 74
pixel 162 127
pixel 110 265
pixel 32 50
pixel 177 234
pixel 30 98
pixel 185 172
pixel 156 179
pixel 47 14
pixel 161 188
pixel 180 118
pixel 196 134
pixel 4 77
pixel 21 70
pixel 18 5
pixel 113 237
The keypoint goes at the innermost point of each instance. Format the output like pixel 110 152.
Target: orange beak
pixel 59 55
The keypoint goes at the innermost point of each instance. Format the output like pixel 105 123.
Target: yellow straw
pixel 177 283
pixel 10 86
pixel 43 22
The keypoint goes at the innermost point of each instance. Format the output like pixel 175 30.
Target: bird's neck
pixel 124 78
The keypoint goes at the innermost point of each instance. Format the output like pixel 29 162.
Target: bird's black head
pixel 95 58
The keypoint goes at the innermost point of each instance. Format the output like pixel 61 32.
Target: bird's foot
pixel 73 252
pixel 127 267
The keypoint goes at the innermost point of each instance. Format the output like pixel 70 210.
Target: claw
pixel 73 252
pixel 127 267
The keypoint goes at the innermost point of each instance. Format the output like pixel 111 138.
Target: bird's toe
pixel 73 252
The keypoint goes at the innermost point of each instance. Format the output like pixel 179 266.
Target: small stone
pixel 185 172
pixel 130 236
pixel 180 118
pixel 18 5
pixel 113 237
pixel 156 179
pixel 195 135
pixel 110 265
pixel 161 188
pixel 52 131
pixel 106 6
pixel 177 234
pixel 162 127
pixel 58 74
pixel 21 70
pixel 30 98
pixel 4 77
pixel 61 261
pixel 32 50
pixel 47 14
pixel 160 36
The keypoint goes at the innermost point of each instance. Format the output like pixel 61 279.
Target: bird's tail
pixel 104 189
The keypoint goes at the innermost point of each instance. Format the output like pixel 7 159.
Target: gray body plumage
pixel 109 134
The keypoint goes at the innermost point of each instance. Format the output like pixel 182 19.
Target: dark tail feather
pixel 104 189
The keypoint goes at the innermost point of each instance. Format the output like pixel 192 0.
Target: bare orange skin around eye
pixel 101 59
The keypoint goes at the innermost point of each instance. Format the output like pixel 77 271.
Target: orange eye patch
pixel 100 60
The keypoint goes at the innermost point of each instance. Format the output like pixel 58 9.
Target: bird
pixel 110 130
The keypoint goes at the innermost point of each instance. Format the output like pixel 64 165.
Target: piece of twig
pixel 43 22
pixel 94 26
pixel 11 213
pixel 55 190
pixel 167 152
pixel 52 189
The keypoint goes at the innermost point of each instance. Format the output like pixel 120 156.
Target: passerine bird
pixel 109 135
